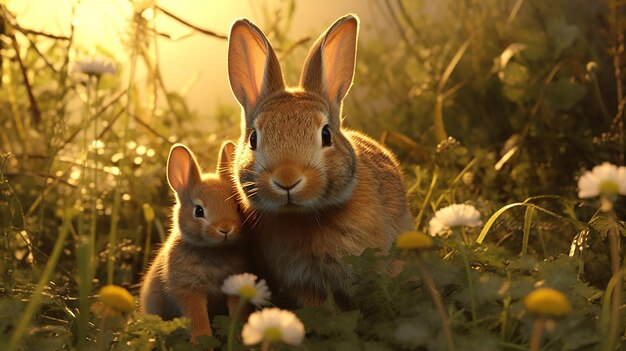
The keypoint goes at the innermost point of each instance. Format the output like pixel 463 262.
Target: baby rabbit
pixel 315 192
pixel 204 246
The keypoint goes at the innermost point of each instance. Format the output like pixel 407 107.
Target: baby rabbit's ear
pixel 182 169
pixel 329 68
pixel 253 69
pixel 227 153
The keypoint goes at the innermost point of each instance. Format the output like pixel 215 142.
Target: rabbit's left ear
pixel 329 68
pixel 253 69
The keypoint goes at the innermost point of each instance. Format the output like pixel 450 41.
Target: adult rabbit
pixel 312 191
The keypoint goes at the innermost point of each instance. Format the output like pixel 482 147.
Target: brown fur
pixel 308 205
pixel 186 276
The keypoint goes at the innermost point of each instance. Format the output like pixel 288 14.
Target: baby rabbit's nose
pixel 225 227
pixel 225 230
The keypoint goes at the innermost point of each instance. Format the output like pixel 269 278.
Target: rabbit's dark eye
pixel 326 136
pixel 198 211
pixel 253 140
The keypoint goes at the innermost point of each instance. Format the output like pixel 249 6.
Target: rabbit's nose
pixel 286 187
pixel 286 178
pixel 225 227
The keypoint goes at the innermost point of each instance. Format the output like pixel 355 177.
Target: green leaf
pixel 561 33
pixel 564 94
pixel 325 323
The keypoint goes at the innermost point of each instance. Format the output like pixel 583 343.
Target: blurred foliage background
pixel 487 102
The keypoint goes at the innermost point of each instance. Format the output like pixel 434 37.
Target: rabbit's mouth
pixel 291 207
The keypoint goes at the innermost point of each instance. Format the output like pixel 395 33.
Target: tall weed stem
pixel 434 293
pixel 468 272
pixel 616 297
pixel 117 197
pixel 233 322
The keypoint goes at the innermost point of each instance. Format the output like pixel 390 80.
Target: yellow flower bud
pixel 413 241
pixel 592 66
pixel 116 298
pixel 547 302
pixel 148 212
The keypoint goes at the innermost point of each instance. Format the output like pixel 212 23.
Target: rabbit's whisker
pixel 249 216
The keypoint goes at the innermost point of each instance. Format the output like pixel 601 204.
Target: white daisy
pixel 272 325
pixel 605 179
pixel 245 286
pixel 94 66
pixel 452 216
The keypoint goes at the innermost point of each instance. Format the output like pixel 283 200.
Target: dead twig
pixel 408 19
pixel 96 115
pixel 41 175
pixel 190 25
pixel 34 108
pixel 149 128
pixel 13 23
pixel 293 46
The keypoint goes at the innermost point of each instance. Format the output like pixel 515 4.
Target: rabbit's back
pixel 385 180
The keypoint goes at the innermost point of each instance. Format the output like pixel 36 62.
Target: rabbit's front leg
pixel 309 298
pixel 193 304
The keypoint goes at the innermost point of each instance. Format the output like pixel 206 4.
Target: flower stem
pixel 616 299
pixel 535 339
pixel 233 322
pixel 94 196
pixel 265 346
pixel 468 273
pixel 83 258
pixel 103 327
pixel 117 196
pixel 432 289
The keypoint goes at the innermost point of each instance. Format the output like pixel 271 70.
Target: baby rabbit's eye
pixel 198 211
pixel 326 136
pixel 253 140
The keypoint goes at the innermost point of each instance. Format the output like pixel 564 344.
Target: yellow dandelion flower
pixel 413 241
pixel 116 298
pixel 547 302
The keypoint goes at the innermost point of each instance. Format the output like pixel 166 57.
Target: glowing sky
pixel 198 60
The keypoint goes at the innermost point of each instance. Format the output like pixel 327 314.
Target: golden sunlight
pixel 193 64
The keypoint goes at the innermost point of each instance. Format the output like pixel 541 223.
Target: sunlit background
pixel 191 62
pixel 497 105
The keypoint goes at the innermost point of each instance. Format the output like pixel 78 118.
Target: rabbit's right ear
pixel 253 69
pixel 227 153
pixel 182 169
pixel 329 68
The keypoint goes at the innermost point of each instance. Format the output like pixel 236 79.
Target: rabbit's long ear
pixel 253 69
pixel 227 154
pixel 182 169
pixel 329 68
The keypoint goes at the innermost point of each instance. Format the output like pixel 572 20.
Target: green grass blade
pixel 495 216
pixel 492 220
pixel 36 297
pixel 528 216
pixel 433 182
